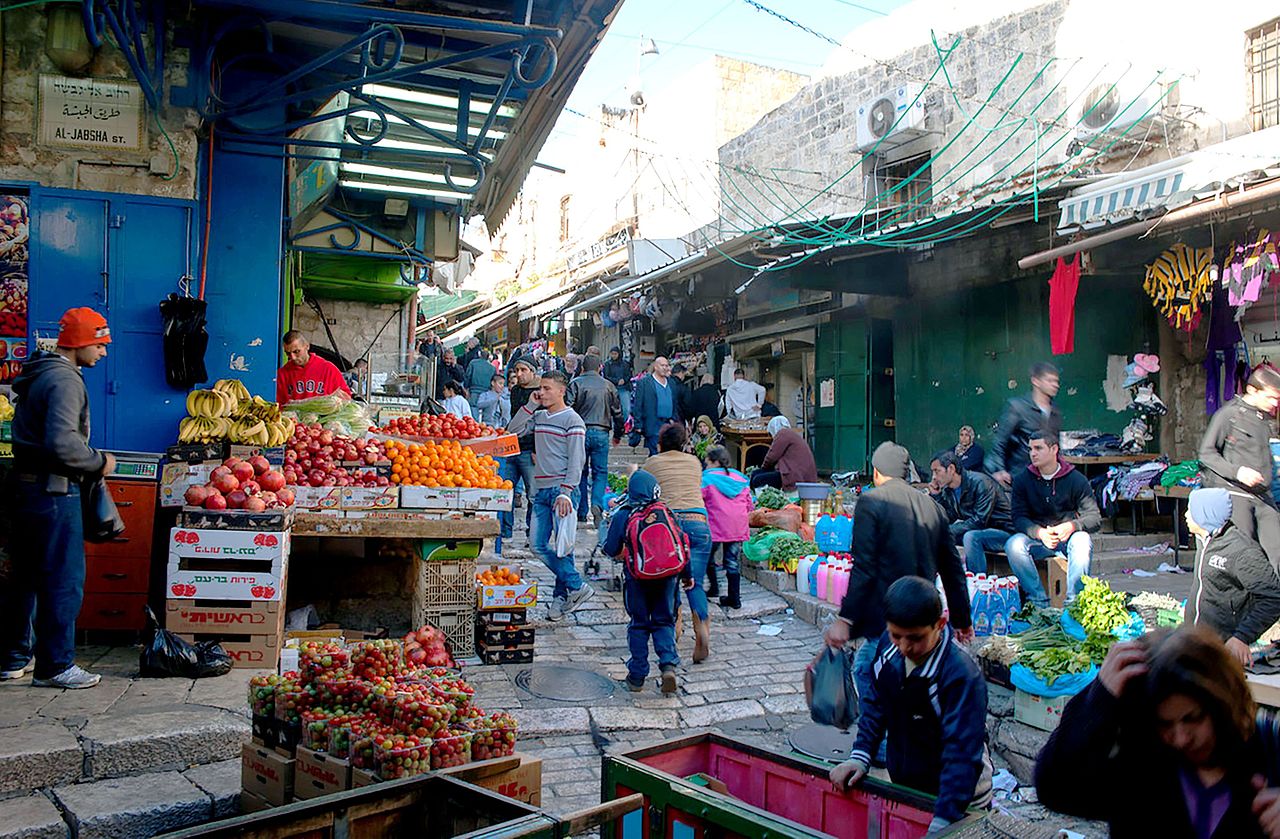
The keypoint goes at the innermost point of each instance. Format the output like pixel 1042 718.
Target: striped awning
pixel 1156 189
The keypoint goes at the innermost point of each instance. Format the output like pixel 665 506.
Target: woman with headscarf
pixel 789 460
pixel 704 435
pixel 968 450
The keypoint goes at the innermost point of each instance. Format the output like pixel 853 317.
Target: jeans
pixel 648 603
pixel 729 554
pixel 1023 551
pixel 624 396
pixel 699 534
pixel 515 469
pixel 544 515
pixel 47 587
pixel 863 675
pixel 977 543
pixel 596 469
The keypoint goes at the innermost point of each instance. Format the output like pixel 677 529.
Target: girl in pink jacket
pixel 727 494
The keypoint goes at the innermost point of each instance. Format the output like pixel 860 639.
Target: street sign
pixel 90 113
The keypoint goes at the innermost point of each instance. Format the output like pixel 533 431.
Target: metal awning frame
pixel 477 322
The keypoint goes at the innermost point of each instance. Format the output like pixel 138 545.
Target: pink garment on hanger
pixel 1062 306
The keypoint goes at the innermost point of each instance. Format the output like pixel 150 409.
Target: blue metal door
pixel 70 267
pixel 150 247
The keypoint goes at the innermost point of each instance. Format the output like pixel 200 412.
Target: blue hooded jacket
pixel 642 490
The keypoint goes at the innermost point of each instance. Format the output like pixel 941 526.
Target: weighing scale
pixel 136 466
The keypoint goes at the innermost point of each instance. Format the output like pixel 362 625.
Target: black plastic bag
pixel 165 654
pixel 185 341
pixel 98 512
pixel 828 688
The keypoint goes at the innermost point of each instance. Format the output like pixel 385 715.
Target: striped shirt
pixel 559 446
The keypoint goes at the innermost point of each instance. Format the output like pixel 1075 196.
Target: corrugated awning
pixel 474 324
pixel 1156 189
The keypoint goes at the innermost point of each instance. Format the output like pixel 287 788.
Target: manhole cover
pixel 565 684
pixel 822 742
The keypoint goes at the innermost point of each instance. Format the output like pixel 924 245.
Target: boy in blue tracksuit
pixel 929 698
pixel 649 603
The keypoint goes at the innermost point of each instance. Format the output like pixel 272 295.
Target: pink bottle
pixel 824 577
pixel 841 585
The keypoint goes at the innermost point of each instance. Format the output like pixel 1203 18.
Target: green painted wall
pixel 955 355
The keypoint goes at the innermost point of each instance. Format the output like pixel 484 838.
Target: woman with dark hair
pixel 1166 742
pixel 679 475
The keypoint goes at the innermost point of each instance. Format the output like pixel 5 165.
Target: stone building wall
pixel 23 159
pixel 354 326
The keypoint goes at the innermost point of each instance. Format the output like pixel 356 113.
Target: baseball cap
pixel 82 327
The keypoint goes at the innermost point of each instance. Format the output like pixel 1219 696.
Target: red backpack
pixel 657 547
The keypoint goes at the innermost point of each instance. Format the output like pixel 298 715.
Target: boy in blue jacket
pixel 929 698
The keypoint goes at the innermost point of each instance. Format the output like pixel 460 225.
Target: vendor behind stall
pixel 1235 591
pixel 789 460
pixel 306 375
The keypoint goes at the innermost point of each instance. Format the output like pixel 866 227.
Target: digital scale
pixel 136 466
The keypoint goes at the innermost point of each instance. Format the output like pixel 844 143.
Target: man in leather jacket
pixel 595 399
pixel 1023 416
pixel 977 507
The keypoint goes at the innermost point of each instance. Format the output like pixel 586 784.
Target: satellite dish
pixel 1101 106
pixel 637 98
pixel 880 117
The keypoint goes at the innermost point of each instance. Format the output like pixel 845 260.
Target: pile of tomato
pixel 445 426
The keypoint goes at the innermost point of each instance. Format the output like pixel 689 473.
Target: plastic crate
pixel 446 582
pixel 456 622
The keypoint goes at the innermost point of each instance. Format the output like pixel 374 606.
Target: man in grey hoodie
pixel 51 459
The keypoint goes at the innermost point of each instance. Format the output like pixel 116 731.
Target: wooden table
pixel 1178 494
pixel 305 524
pixel 745 441
pixel 1110 459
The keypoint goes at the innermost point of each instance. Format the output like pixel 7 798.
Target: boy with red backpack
pixel 656 554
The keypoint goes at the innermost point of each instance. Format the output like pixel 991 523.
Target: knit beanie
pixel 892 461
pixel 1210 508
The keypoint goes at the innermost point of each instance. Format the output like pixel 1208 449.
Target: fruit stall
pixel 375 526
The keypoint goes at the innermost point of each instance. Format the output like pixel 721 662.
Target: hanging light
pixel 65 41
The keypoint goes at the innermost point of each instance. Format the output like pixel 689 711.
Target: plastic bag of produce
pixel 788 518
pixel 756 549
pixel 1068 684
pixel 165 654
pixel 828 688
pixel 1127 631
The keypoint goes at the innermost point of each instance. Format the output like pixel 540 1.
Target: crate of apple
pixel 438 426
pixel 426 647
pixel 450 747
pixel 251 485
pixel 314 456
pixel 492 736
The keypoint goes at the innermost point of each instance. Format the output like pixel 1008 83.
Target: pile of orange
pixel 447 463
pixel 501 577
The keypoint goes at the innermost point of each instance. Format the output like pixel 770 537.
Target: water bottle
pixel 824 577
pixel 980 609
pixel 999 610
pixel 802 572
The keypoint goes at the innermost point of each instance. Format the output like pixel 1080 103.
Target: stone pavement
pixel 134 757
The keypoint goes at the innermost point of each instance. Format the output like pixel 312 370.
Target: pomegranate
pixel 225 483
pixel 272 481
pixel 219 472
pixel 195 496
pixel 285 497
pixel 215 502
pixel 259 464
pixel 255 505
pixel 236 499
pixel 251 488
pixel 243 471
pixel 269 498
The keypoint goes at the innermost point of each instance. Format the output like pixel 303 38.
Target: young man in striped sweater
pixel 559 453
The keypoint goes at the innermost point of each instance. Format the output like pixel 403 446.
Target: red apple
pixel 226 483
pixel 259 464
pixel 215 502
pixel 243 471
pixel 195 495
pixel 236 499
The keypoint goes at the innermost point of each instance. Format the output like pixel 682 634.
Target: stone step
pixel 149 803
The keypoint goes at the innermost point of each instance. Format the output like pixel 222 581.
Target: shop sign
pixel 827 393
pixel 90 113
pixel 604 247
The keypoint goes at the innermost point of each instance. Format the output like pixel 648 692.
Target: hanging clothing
pixel 1179 283
pixel 1248 270
pixel 1062 305
pixel 1220 382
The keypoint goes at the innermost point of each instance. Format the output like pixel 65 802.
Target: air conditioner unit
pixel 1107 110
pixel 894 118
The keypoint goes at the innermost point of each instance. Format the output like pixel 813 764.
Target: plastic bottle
pixel 844 530
pixel 999 609
pixel 838 583
pixel 802 572
pixel 971 582
pixel 1015 596
pixel 942 594
pixel 824 576
pixel 812 588
pixel 826 534
pixel 980 609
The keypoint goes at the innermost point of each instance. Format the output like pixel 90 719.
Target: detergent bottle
pixel 844 531
pixel 980 609
pixel 942 594
pixel 971 582
pixel 802 572
pixel 1014 595
pixel 999 609
pixel 812 588
pixel 824 578
pixel 838 583
pixel 826 534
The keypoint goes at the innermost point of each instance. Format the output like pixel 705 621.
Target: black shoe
pixel 633 686
pixel 734 598
pixel 730 602
pixel 669 680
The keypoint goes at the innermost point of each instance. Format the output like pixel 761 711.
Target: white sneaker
pixel 10 675
pixel 555 611
pixel 577 598
pixel 73 678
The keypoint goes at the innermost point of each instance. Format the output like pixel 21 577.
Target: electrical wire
pixel 177 164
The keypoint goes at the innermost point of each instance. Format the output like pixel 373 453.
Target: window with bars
pixel 564 218
pixel 1263 56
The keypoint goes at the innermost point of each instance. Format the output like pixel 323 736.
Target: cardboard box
pixel 250 803
pixel 363 778
pixel 513 617
pixel 235 618
pixel 176 478
pixel 429 498
pixel 496 500
pixel 519 596
pixel 267 774
pixel 258 652
pixel 458 515
pixel 506 655
pixel 225 585
pixel 371 498
pixel 277 520
pixel 1053 577
pixel 493 637
pixel 317 498
pixel 274 455
pixel 202 543
pixel 316 774
pixel 1038 711
pixel 518 777
pixel 504 445
pixel 383 515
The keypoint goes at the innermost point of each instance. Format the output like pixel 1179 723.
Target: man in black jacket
pixel 1053 512
pixel 52 460
pixel 451 371
pixel 1235 591
pixel 1235 455
pixel 976 506
pixel 680 375
pixel 1024 415
pixel 929 701
pixel 618 371
pixel 705 400
pixel 595 400
pixel 898 532
pixel 519 467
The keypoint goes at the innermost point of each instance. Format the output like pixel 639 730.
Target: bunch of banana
pixel 279 431
pixel 6 409
pixel 258 408
pixel 210 404
pixel 236 390
pixel 203 429
pixel 249 432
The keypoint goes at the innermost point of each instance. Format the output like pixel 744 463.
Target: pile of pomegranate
pixel 251 485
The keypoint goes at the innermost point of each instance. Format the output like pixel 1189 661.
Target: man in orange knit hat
pixel 51 459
